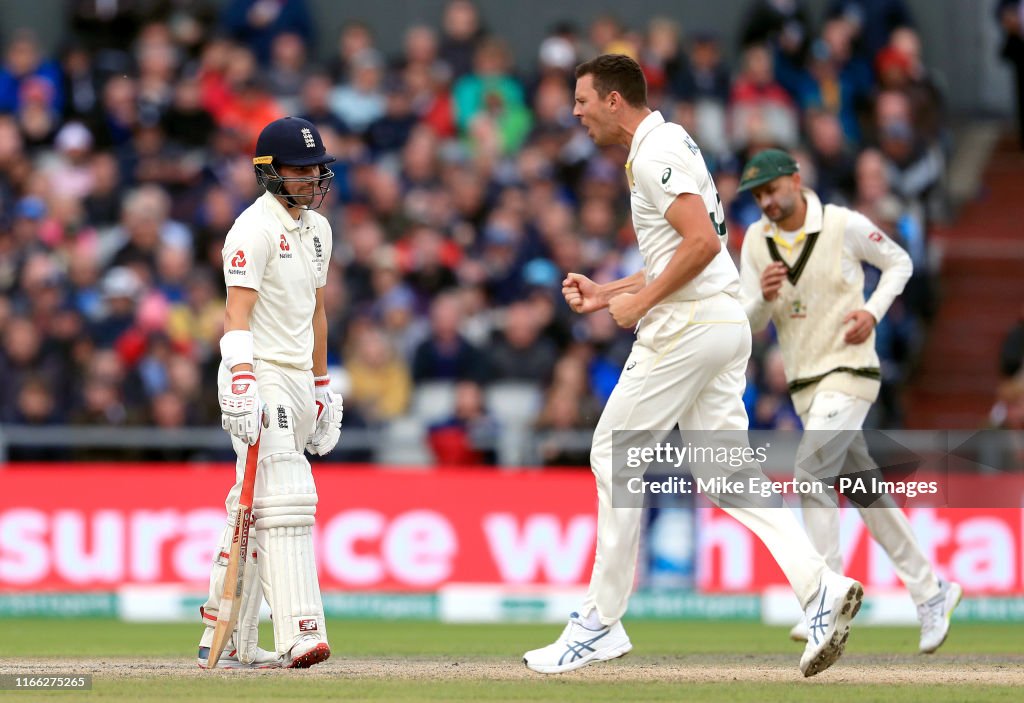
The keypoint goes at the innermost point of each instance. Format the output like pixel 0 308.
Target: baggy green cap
pixel 766 166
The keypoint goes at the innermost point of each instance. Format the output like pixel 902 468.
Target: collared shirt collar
pixel 812 220
pixel 273 205
pixel 645 127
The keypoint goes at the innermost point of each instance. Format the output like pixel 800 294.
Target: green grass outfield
pixel 421 661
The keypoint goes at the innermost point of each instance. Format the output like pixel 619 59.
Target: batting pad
pixel 284 506
pixel 252 598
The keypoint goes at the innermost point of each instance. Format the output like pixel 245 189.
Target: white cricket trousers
pixel 832 439
pixel 687 369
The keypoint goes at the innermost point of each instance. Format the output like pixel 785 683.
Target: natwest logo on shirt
pixel 238 260
pixel 286 248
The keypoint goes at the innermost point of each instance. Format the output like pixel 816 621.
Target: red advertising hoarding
pixel 99 527
pixel 102 526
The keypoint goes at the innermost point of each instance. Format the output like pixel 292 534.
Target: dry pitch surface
pixel 856 669
pixel 720 662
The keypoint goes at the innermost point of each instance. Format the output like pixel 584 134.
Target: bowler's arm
pixel 699 245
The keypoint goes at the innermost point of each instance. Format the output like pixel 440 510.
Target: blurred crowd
pixel 465 190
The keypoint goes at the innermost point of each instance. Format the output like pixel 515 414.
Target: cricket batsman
pixel 274 390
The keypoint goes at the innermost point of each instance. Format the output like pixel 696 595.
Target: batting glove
pixel 329 411
pixel 241 408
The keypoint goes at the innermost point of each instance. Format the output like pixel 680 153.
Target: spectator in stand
pixel 662 58
pixel 80 83
pixel 186 122
pixel 24 65
pixel 899 68
pixel 520 353
pixel 759 105
pixel 445 355
pixel 915 167
pixel 873 21
pixel 784 25
pixel 354 39
pixel 703 86
pixel 462 33
pixel 833 161
pixel 467 438
pixel 145 228
pixel 315 102
pixel 560 425
pixel 157 59
pixel 287 71
pixel 389 133
pixel 490 99
pixel 380 383
pixel 256 23
pixel 25 356
pixel 361 99
pixel 836 81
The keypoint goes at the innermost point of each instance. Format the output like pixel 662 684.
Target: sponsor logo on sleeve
pixel 238 264
pixel 875 237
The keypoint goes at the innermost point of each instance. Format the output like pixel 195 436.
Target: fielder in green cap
pixel 801 268
pixel 766 166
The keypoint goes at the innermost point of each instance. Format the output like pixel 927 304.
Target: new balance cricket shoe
pixel 230 660
pixel 307 652
pixel 935 615
pixel 578 646
pixel 828 618
pixel 798 633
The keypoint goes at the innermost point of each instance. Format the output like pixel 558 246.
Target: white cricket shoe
pixel 577 646
pixel 798 633
pixel 828 618
pixel 309 650
pixel 935 615
pixel 229 659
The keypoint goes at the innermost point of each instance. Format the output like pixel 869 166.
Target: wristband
pixel 236 348
pixel 321 381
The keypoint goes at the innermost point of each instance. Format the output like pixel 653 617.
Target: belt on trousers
pixel 872 372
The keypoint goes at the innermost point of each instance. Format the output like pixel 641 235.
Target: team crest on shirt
pixel 318 249
pixel 797 310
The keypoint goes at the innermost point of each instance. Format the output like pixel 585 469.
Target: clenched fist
pixel 581 293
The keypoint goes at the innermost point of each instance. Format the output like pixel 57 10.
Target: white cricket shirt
pixel 665 162
pixel 285 261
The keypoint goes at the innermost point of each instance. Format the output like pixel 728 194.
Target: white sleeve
pixel 759 310
pixel 866 242
pixel 245 258
pixel 663 177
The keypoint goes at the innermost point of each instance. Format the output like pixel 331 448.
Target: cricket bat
pixel 231 598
